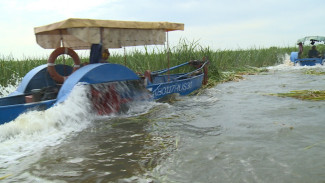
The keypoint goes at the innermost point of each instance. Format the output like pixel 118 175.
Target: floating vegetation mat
pixel 304 94
pixel 315 72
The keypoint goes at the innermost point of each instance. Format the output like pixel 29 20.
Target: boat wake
pixel 287 65
pixel 5 91
pixel 34 130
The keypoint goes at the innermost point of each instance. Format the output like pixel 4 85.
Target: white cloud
pixel 67 8
pixel 218 24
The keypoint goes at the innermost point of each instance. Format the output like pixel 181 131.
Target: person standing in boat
pixel 301 49
pixel 313 53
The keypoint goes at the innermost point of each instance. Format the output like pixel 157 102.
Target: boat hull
pixel 11 112
pixel 105 80
pixel 305 61
pixel 25 98
pixel 181 86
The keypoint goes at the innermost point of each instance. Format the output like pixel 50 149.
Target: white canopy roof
pixel 81 33
pixel 310 38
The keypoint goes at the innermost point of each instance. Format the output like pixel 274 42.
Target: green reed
pixel 11 68
pixel 315 95
pixel 157 58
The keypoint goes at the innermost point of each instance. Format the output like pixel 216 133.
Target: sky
pixel 217 24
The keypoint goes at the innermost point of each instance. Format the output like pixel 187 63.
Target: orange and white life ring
pixel 51 63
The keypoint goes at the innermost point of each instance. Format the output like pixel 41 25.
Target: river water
pixel 234 132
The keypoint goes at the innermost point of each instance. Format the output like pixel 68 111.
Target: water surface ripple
pixel 242 134
pixel 234 132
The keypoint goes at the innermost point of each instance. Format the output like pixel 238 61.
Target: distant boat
pixel 298 58
pixel 50 84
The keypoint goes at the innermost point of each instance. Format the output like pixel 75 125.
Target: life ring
pixel 54 55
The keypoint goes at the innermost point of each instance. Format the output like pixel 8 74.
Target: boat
pixel 303 58
pixel 50 84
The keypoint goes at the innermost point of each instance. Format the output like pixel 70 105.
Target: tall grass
pixel 11 68
pixel 156 59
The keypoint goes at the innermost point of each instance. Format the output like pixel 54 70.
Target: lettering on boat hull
pixel 181 87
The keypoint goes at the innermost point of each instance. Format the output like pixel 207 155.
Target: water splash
pixel 287 65
pixel 6 90
pixel 34 130
pixel 133 99
pixel 114 97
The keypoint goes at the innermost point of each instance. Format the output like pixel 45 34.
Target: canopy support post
pixel 168 56
pixel 65 50
pixel 124 56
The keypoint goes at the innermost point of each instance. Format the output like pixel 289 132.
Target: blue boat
pixel 313 57
pixel 50 84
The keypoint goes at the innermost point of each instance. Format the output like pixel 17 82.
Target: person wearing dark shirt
pixel 313 53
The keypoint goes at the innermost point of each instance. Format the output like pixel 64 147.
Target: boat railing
pixel 192 72
pixel 177 66
pixel 168 69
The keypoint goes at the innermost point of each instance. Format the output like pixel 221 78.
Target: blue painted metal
pixel 94 74
pixel 305 61
pixel 169 69
pixel 11 112
pixel 182 86
pixel 15 104
pixel 38 78
pixel 293 56
pixel 308 61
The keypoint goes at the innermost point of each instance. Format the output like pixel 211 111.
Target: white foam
pixel 34 130
pixel 288 65
pixel 31 132
pixel 5 91
pixel 135 108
